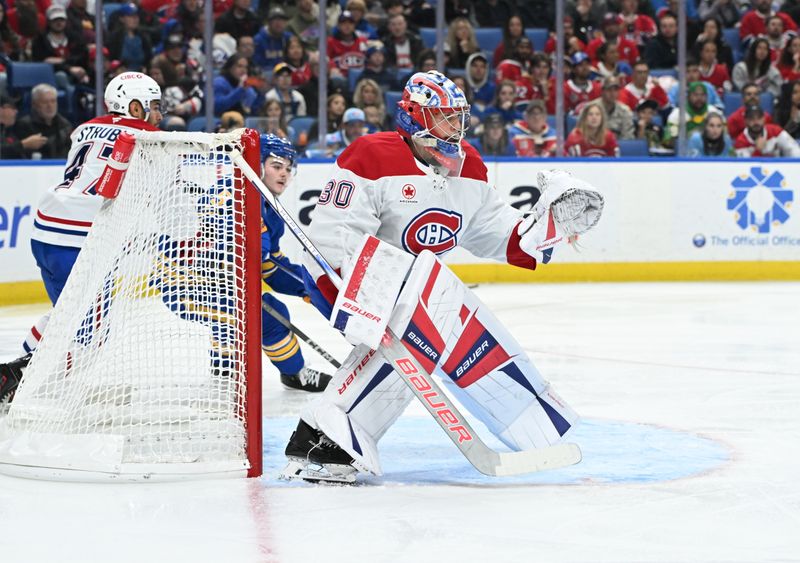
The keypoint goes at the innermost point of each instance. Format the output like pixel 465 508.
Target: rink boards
pixel 664 219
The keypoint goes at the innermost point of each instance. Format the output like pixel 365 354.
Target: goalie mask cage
pixel 150 366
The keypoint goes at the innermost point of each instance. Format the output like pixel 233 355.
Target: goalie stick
pixel 423 385
pixel 300 334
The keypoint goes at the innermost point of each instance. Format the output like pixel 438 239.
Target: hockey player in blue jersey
pixel 66 211
pixel 281 346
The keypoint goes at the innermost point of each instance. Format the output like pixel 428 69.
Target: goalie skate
pixel 316 458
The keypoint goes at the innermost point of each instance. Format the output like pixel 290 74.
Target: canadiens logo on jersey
pixel 433 229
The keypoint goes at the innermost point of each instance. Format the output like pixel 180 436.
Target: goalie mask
pixel 434 114
pixel 130 86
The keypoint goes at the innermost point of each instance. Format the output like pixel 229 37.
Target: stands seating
pixel 733 100
pixel 632 147
pixel 428 36
pixel 659 72
pixel 199 123
pixel 301 126
pixel 538 36
pixel 488 38
pixel 352 78
pixel 24 76
pixel 731 36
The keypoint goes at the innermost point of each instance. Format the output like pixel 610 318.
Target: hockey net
pixel 146 369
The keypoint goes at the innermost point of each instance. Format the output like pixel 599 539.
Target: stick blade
pixel 518 463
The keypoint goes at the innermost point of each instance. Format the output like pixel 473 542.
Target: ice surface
pixel 690 395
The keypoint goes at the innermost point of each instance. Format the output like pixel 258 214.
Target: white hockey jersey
pixel 66 211
pixel 378 187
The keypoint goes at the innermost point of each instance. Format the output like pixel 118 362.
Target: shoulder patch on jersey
pixel 378 155
pixel 473 167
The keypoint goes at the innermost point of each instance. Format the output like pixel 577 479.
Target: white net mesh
pixel 143 361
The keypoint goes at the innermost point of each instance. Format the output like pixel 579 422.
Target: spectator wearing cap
pixel 375 67
pixel 129 44
pixel 572 43
pixel 643 87
pixel 231 90
pixel 171 61
pixel 402 46
pixel 662 50
pixel 711 139
pixel 353 127
pixel 478 78
pixel 761 139
pixel 346 50
pixel 580 89
pixel 645 127
pixel 612 22
pixel 696 111
pixel 11 144
pixel 460 43
pixel 292 101
pixel 636 27
pixel 493 139
pixel 619 117
pixel 65 51
pixel 591 136
pixel 45 119
pixel 305 24
pixel 238 20
pixel 358 9
pixel 532 136
pixel 513 31
pixel 754 22
pixel 272 39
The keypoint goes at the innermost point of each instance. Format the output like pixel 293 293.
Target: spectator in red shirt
pixel 711 71
pixel 751 96
pixel 532 136
pixel 754 22
pixel 579 89
pixel 789 60
pixel 611 34
pixel 760 139
pixel 591 137
pixel 572 45
pixel 777 35
pixel 346 50
pixel 512 33
pixel 639 28
pixel 713 32
pixel 643 87
pixel 519 65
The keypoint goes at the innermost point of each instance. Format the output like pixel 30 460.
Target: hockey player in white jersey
pixel 424 190
pixel 66 211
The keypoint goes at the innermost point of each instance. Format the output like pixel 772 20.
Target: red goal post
pixel 150 366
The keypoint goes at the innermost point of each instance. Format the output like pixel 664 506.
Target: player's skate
pixel 315 457
pixel 308 379
pixel 10 376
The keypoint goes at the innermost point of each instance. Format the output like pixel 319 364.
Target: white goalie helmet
pixel 129 86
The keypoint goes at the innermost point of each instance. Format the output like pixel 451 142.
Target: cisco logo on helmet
pixel 433 229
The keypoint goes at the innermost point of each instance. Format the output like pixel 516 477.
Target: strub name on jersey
pixel 461 370
pixel 92 132
pixel 354 373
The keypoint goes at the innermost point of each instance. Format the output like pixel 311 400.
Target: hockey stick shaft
pixel 422 385
pixel 300 334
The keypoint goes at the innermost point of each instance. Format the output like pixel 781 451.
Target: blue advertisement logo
pixel 760 200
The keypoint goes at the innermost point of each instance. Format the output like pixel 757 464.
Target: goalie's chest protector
pixel 378 187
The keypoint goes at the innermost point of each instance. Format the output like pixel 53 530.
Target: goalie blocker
pixel 452 335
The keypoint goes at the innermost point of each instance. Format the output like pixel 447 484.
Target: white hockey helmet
pixel 129 86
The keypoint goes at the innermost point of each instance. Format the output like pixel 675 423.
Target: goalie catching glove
pixel 567 207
